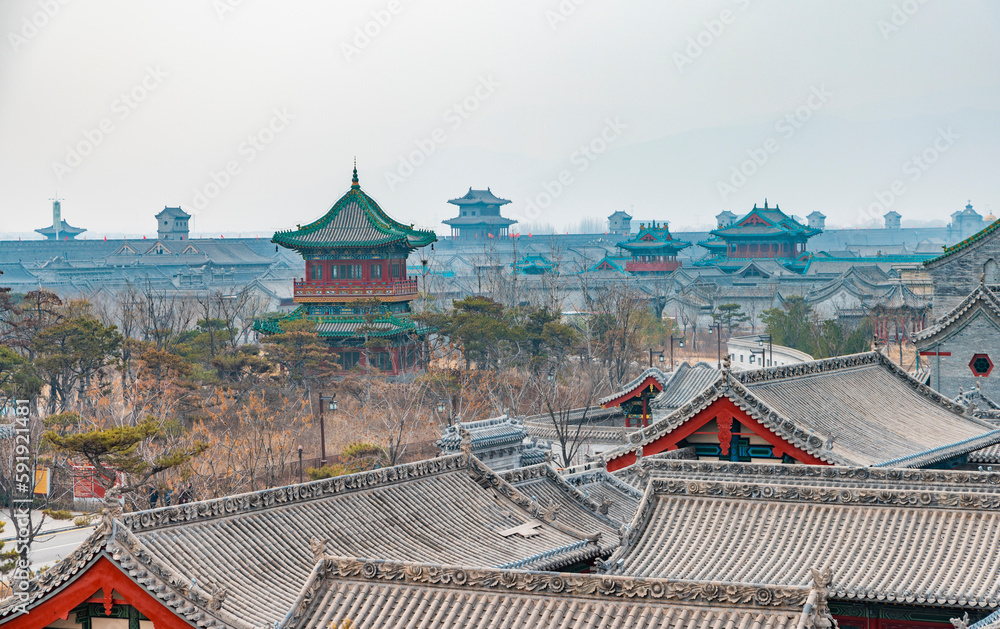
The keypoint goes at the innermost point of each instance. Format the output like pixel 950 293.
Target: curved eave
pixel 675 245
pixel 473 221
pixel 289 243
pixel 779 234
pixel 68 230
pixel 380 221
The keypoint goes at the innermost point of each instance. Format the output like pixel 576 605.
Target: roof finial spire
pixel 354 180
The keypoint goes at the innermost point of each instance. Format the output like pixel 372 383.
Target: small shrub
pixel 60 514
pixel 327 471
pixel 83 520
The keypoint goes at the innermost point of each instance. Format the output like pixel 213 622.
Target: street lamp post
pixel 441 408
pixel 770 348
pixel 680 344
pixel 332 401
pixel 716 328
pixel 300 465
pixel 662 359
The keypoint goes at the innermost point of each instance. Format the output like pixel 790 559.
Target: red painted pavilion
pixel 355 261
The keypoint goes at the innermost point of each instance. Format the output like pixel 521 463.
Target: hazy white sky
pixel 126 106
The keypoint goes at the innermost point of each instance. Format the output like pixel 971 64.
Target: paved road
pixel 51 547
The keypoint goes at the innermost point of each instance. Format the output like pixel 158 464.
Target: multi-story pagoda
pixel 355 286
pixel 479 216
pixel 654 250
pixel 763 233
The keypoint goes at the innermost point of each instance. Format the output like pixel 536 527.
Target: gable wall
pixel 949 373
pixel 957 276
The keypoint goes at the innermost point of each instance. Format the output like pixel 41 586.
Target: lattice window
pixel 981 365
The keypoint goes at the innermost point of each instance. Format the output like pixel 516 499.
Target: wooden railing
pixel 354 288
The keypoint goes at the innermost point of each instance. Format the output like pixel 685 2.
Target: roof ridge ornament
pixel 816 612
pixel 354 180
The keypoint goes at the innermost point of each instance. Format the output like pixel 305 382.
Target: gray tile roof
pixel 391 595
pixel 685 382
pixel 652 372
pixel 474 197
pixel 919 537
pixel 484 433
pixel 260 548
pixel 604 488
pixel 543 484
pixel 874 411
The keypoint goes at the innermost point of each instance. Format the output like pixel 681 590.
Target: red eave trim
pixel 628 395
pixel 102 575
pixel 935 353
pixel 721 406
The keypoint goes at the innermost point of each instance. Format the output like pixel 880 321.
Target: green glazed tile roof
pixel 343 327
pixel 652 239
pixel 766 222
pixel 356 220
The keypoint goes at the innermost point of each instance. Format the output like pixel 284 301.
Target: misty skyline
pixel 571 109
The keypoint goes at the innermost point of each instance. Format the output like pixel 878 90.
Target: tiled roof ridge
pixel 654 372
pixel 631 531
pixel 634 589
pixel 941 453
pixel 173 589
pixel 929 498
pixel 727 386
pixel 840 363
pixel 545 470
pixel 833 473
pixel 602 476
pixel 823 365
pixel 553 555
pixel 980 294
pixel 228 506
pixel 965 244
pixel 488 479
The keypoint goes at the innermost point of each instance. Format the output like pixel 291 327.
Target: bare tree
pixel 567 400
pixel 621 314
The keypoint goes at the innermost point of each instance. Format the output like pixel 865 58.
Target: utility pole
pixel 716 328
pixel 322 430
pixel 300 465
